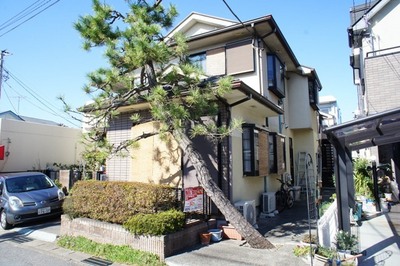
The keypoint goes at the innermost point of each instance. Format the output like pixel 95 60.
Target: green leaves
pixel 144 66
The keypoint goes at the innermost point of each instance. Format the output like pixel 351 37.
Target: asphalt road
pixel 22 245
pixel 21 250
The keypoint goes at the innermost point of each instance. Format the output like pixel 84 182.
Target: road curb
pixel 37 234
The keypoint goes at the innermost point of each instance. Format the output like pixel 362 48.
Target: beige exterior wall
pixel 298 100
pixel 155 160
pixel 37 146
pixel 249 187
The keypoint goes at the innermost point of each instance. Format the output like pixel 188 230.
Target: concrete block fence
pixel 115 234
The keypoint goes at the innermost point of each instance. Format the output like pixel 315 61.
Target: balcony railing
pixel 391 50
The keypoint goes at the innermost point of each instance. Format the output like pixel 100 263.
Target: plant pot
pixel 205 238
pixel 216 234
pixel 229 232
pixel 320 260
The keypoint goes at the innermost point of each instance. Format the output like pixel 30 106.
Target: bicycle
pixel 285 195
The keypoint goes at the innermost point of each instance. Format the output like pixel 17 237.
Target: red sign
pixel 1 152
pixel 193 199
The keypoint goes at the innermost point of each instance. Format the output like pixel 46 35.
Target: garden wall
pixel 108 233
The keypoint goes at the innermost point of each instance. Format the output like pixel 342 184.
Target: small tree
pixel 139 71
pixel 362 178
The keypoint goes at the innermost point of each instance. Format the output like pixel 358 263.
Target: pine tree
pixel 140 71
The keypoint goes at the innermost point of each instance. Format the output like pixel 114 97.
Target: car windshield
pixel 28 183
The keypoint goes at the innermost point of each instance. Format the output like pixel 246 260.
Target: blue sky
pixel 47 60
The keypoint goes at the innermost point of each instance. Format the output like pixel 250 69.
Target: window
pixel 240 57
pixel 276 75
pixel 277 154
pixel 250 143
pixel 199 60
pixel 313 89
pixel 255 151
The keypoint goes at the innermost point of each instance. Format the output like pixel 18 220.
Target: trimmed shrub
pixel 116 202
pixel 156 224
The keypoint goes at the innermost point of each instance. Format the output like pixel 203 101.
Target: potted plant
pixel 303 251
pixel 324 254
pixel 309 239
pixel 346 242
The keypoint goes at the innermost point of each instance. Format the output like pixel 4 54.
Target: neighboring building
pixel 36 144
pixel 330 116
pixel 330 111
pixel 375 42
pixel 275 96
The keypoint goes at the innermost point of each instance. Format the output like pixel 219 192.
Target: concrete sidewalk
pixel 285 231
pixel 235 253
pixel 380 240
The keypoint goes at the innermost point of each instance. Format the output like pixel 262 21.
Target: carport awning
pixel 378 129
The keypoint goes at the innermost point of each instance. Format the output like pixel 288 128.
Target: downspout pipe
pixel 261 38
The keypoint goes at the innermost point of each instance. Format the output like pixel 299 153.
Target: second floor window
pixel 276 75
pixel 199 60
pixel 313 92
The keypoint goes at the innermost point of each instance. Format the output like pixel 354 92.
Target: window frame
pixel 277 156
pixel 254 150
pixel 313 93
pixel 251 167
pixel 273 75
pixel 201 62
pixel 240 57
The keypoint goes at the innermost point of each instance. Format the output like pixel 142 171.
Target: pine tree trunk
pixel 250 234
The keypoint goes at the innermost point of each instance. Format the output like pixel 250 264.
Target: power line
pixel 49 106
pixel 233 13
pixel 18 16
pixel 9 100
pixel 29 18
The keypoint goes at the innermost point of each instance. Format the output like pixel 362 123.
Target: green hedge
pixel 156 224
pixel 116 202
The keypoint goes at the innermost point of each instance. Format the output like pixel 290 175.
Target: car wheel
pixel 3 220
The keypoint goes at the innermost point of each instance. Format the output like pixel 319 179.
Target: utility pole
pixel 2 54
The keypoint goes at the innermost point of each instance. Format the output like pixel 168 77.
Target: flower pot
pixel 320 260
pixel 205 238
pixel 216 235
pixel 229 232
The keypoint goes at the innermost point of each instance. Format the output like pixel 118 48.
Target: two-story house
pixel 272 93
pixel 374 40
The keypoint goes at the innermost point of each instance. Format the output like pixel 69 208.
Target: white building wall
pixel 385 26
pixel 33 146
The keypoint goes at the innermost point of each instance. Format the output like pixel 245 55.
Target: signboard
pixel 193 199
pixel 1 152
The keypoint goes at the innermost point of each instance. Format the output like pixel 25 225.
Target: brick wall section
pixel 118 167
pixel 382 82
pixel 108 233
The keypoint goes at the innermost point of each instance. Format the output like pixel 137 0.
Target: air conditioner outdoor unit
pixel 269 202
pixel 248 210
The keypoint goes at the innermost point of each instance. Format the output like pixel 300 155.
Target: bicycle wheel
pixel 280 201
pixel 290 199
